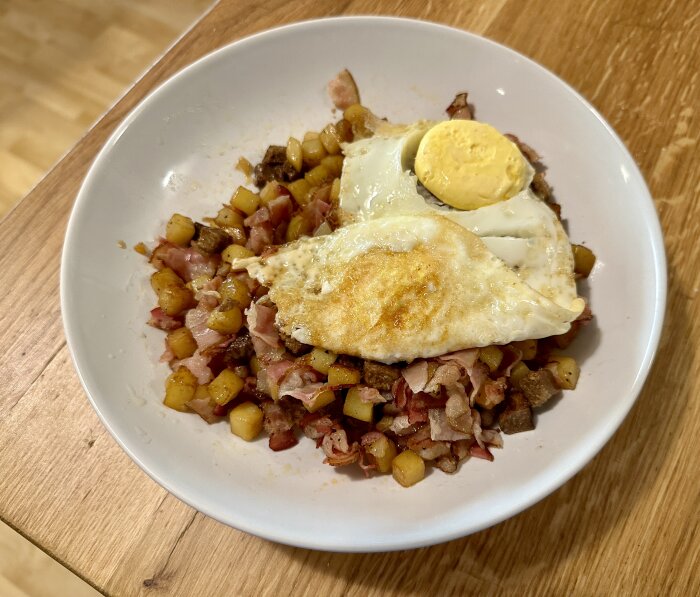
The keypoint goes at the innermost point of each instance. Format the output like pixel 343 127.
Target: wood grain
pixel 627 523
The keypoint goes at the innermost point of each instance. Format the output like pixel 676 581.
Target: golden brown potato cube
pixel 384 452
pixel 566 371
pixel 225 322
pixel 293 153
pixel 229 218
pixel 331 139
pixel 298 227
pixel 234 251
pixel 179 230
pixel 173 300
pixel 246 421
pixel 236 290
pixel 491 356
pixel 300 191
pixel 584 260
pixel 163 278
pixel 225 386
pixel 518 372
pixel 181 343
pixel 357 408
pixel 384 423
pixel 245 200
pixel 318 176
pixel 342 375
pixel 335 191
pixel 202 392
pixel 527 347
pixel 312 152
pixel 408 468
pixel 255 365
pixel 308 135
pixel 321 359
pixel 323 398
pixel 344 130
pixel 180 387
pixel 361 120
pixel 333 163
pixel 270 191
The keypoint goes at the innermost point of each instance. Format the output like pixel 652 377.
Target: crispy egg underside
pixel 400 288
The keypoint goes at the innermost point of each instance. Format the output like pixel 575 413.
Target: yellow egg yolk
pixel 469 164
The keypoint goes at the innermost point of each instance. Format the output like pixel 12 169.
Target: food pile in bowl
pixel 399 294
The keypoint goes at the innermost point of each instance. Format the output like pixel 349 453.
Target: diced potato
pixel 360 119
pixel 173 300
pixel 333 163
pixel 491 356
pixel 163 278
pixel 341 375
pixel 202 392
pixel 321 399
pixel 384 452
pixel 344 130
pixel 229 218
pixel 225 386
pixel 246 420
pixel 198 283
pixel 384 423
pixel 331 139
pixel 584 260
pixel 300 191
pixel 335 191
pixel 566 371
pixel 270 191
pixel 181 343
pixel 293 153
pixel 321 360
pixel 180 387
pixel 312 152
pixel 318 176
pixel 356 408
pixel 528 348
pixel 408 468
pixel 308 135
pixel 179 229
pixel 234 251
pixel 226 322
pixel 298 227
pixel 236 290
pixel 255 365
pixel 245 200
pixel 518 372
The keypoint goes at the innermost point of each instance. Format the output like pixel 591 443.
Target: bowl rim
pixel 563 474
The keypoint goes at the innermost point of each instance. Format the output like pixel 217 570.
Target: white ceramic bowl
pixel 176 151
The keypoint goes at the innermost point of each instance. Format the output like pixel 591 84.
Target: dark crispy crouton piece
pixel 538 387
pixel 212 240
pixel 240 348
pixel 516 416
pixel 379 375
pixel 459 108
pixel 274 166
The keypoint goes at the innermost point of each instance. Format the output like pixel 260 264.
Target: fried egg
pixel 515 225
pixel 401 287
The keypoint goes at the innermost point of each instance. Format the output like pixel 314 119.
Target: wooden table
pixel 67 486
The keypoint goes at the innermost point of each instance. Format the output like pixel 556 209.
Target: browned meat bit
pixel 343 90
pixel 447 464
pixel 211 240
pixel 379 375
pixel 532 156
pixel 293 345
pixel 538 387
pixel 488 418
pixel 459 108
pixel 492 393
pixel 517 415
pixel 240 348
pixel 541 187
pixel 274 166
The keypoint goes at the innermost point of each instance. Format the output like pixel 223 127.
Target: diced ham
pixel 261 324
pixel 162 321
pixel 464 358
pixel 277 370
pixel 401 426
pixel 260 237
pixel 440 429
pixel 416 375
pixel 297 377
pixel 343 90
pixel 425 447
pixel 204 408
pixel 370 437
pixel 337 449
pixel 371 395
pixel 186 262
pixel 401 392
pixel 260 216
pixel 279 424
pixel 419 404
pixel 198 364
pixel 305 394
pixel 208 294
pixel 316 211
pixel 168 355
pixel 316 425
pixel 457 409
pixel 478 374
pixel 280 209
pixel 196 321
pixel 480 452
pixel 444 375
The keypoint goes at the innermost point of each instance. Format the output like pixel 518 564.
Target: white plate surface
pixel 176 151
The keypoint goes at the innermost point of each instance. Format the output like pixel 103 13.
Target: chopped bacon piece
pixel 492 437
pixel 371 437
pixel 261 324
pixel 457 409
pixel 204 408
pixel 337 449
pixel 162 321
pixel 401 426
pixel 343 90
pixel 371 395
pixel 316 425
pixel 316 211
pixel 416 375
pixel 186 262
pixel 479 452
pixel 459 108
pixel 401 392
pixel 444 375
pixel 493 392
pixel 306 393
pixel 196 321
pixel 168 355
pixel 277 370
pixel 260 237
pixel 280 209
pixel 419 404
pixel 259 217
pixel 478 374
pixel 198 364
pixel 464 358
pixel 421 443
pixel 440 429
